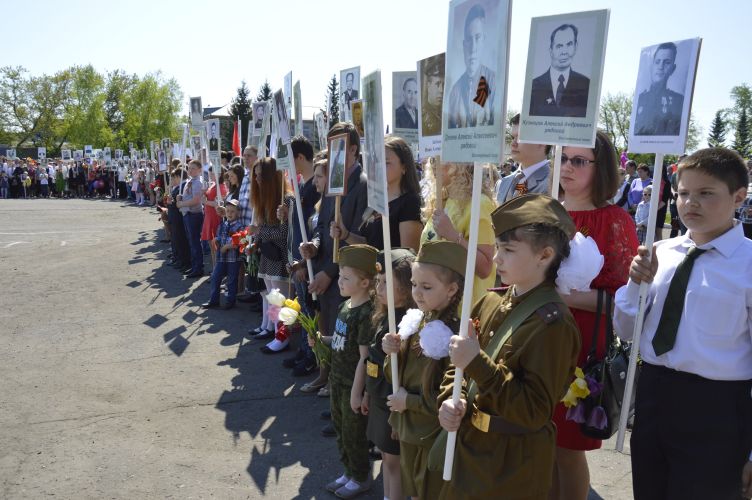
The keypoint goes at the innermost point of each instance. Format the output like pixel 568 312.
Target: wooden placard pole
pixel 640 319
pixel 438 174
pixel 337 218
pixel 467 299
pixel 556 174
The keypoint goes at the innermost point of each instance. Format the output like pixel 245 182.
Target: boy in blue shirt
pixel 692 433
pixel 227 258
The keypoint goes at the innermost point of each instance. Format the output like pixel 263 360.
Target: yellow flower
pixel 569 399
pixel 578 373
pixel 293 304
pixel 579 388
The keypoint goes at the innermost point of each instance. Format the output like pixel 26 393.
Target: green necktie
pixel 668 326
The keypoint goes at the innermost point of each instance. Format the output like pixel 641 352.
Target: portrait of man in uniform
pixel 213 139
pixel 406 115
pixel 432 94
pixel 561 91
pixel 659 109
pixel 465 109
pixel 350 94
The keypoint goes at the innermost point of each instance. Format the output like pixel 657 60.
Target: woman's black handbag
pixel 610 372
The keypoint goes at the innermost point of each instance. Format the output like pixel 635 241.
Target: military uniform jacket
pixel 659 112
pixel 523 385
pixel 377 386
pixel 419 424
pixel 351 330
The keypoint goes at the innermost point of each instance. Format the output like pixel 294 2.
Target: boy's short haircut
pixel 540 236
pixel 723 164
pixel 345 128
pixel 178 172
pixel 301 145
pixel 515 120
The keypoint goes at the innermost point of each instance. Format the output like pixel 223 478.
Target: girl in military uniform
pixel 437 283
pixel 374 404
pixel 520 355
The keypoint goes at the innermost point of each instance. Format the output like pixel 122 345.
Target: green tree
pixel 615 113
pixel 118 84
pixel 742 136
pixel 151 111
pixel 265 92
pixel 717 135
pixel 332 99
pixel 85 121
pixel 243 109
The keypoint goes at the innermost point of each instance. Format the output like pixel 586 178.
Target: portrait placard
pixel 373 152
pixel 405 114
pixel 321 129
pixel 336 182
pixel 195 145
pixel 88 151
pixel 212 129
pixel 430 103
pixel 65 154
pixel 282 121
pixel 10 154
pixel 259 112
pixel 357 117
pixel 663 97
pixel 288 95
pixel 162 160
pixel 78 155
pixel 298 103
pixel 42 155
pixel 349 86
pixel 197 112
pixel 118 154
pixel 108 157
pixel 560 102
pixel 476 73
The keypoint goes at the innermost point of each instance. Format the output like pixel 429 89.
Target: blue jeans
pixel 193 223
pixel 222 269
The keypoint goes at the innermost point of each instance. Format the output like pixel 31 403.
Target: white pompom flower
pixel 275 297
pixel 434 339
pixel 577 271
pixel 410 323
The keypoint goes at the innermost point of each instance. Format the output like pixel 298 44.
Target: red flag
pixel 236 140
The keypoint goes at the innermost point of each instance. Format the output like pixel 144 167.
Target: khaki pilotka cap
pixel 362 257
pixel 532 209
pixel 444 253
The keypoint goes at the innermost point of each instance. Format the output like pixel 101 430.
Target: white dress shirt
pixel 529 171
pixel 714 339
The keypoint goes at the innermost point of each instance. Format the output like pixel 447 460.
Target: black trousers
pixel 691 437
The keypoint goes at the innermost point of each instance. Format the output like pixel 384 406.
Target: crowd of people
pixel 516 431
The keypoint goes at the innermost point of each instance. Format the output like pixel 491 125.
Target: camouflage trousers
pixel 351 433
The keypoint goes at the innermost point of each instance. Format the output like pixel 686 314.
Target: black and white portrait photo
pixel 337 158
pixel 471 66
pixel 350 89
pixel 212 131
pixel 259 111
pixel 78 155
pixel 196 145
pixel 197 112
pixel 405 99
pixel 281 117
pixel 65 154
pixel 565 62
pixel 374 154
pixel 662 98
pixel 560 90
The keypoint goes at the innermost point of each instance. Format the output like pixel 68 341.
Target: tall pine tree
pixel 742 136
pixel 265 92
pixel 717 136
pixel 242 108
pixel 332 98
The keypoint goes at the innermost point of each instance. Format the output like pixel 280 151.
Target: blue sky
pixel 210 46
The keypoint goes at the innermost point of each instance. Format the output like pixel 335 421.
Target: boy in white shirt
pixel 642 213
pixel 692 434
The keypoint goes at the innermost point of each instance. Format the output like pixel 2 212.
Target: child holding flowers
pixel 227 258
pixel 422 345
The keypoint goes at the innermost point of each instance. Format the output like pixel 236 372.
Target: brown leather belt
pixel 485 422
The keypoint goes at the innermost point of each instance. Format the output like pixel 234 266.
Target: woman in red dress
pixel 589 179
pixel 211 218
